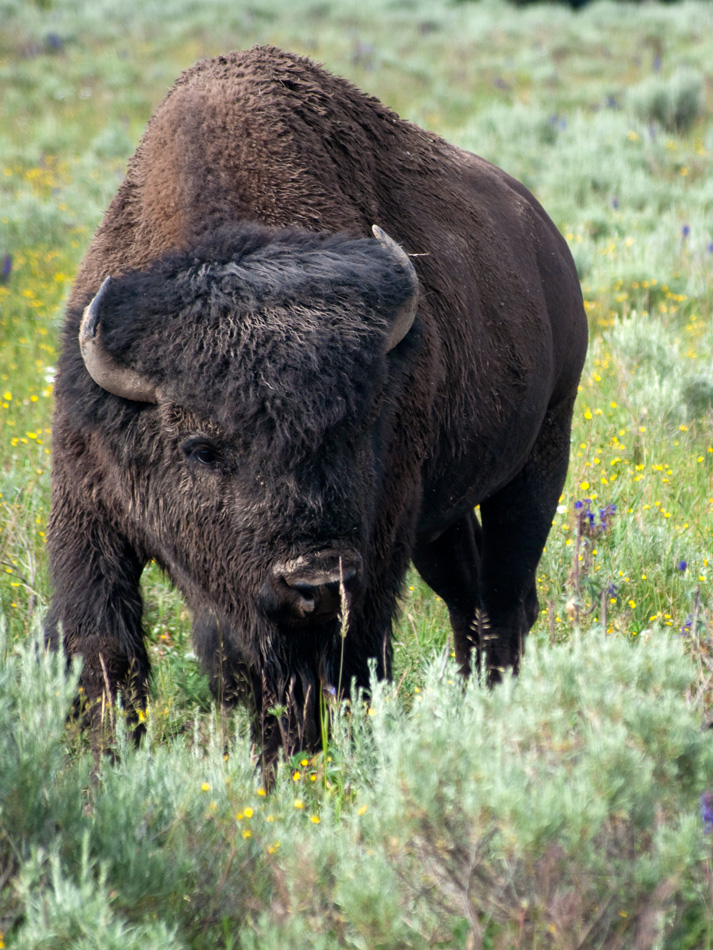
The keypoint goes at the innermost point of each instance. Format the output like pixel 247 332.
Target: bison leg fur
pixel 230 672
pixel 450 566
pixel 96 611
pixel 516 522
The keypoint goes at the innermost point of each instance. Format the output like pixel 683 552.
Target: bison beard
pixel 282 407
pixel 286 676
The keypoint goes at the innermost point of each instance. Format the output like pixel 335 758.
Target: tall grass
pixel 560 812
pixel 556 810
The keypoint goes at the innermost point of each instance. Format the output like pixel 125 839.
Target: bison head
pixel 259 375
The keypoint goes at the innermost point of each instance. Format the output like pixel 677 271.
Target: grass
pixel 606 113
pixel 556 809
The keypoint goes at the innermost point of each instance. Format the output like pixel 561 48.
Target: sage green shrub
pixel 675 103
pixel 555 809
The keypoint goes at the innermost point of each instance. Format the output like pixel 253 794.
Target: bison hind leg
pixel 487 576
pixel 450 566
pixel 516 522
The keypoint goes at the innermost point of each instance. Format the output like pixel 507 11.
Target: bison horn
pixel 403 320
pixel 101 365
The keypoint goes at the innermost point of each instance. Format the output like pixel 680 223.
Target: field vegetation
pixel 571 809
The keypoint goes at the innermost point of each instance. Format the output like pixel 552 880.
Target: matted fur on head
pixel 278 333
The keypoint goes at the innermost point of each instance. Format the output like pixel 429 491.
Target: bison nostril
pixel 305 589
pixel 312 589
pixel 324 593
pixel 307 582
pixel 319 593
pixel 307 595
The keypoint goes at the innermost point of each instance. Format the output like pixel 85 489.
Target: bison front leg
pixel 516 523
pixel 96 609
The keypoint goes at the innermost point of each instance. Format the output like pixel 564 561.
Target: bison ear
pixel 403 320
pixel 101 365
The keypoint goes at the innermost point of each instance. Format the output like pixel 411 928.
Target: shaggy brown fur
pixel 284 433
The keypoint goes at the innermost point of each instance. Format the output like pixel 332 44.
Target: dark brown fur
pixel 476 403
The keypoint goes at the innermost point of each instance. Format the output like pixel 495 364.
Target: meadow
pixel 572 808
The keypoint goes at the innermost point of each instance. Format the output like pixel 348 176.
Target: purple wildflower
pixel 682 565
pixel 605 514
pixel 685 231
pixel 54 42
pixel 707 811
pixel 588 519
pixel 615 202
pixel 6 268
pixel 687 624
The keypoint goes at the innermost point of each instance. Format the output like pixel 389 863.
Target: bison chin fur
pixel 281 679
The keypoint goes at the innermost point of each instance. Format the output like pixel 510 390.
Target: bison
pixel 283 405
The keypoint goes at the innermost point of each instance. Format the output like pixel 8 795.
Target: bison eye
pixel 200 451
